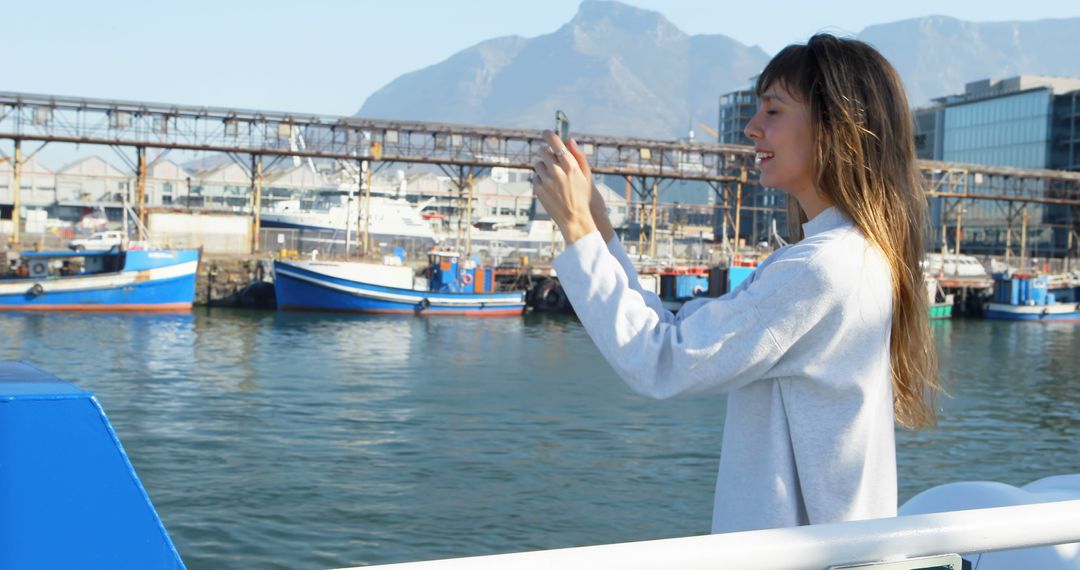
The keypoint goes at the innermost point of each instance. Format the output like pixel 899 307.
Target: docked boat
pixel 679 284
pixel 673 284
pixel 115 280
pixel 450 287
pixel 535 237
pixel 324 222
pixel 954 265
pixel 940 302
pixel 1026 297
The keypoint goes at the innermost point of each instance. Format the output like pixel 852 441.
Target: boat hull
pixel 941 310
pixel 165 282
pixel 1056 312
pixel 300 289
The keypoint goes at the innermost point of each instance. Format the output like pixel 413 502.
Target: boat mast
pixel 468 215
pixel 124 218
pixel 348 224
pixel 365 172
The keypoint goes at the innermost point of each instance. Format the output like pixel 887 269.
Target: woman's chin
pixel 772 183
pixel 767 181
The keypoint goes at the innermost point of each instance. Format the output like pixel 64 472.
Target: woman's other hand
pixel 564 189
pixel 596 202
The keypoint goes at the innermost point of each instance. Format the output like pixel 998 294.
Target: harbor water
pixel 294 440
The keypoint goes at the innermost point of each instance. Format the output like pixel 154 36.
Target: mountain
pixel 620 70
pixel 614 69
pixel 937 55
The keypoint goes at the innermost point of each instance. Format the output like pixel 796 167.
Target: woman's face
pixel 783 140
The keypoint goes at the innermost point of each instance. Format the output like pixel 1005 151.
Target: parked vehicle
pixel 99 241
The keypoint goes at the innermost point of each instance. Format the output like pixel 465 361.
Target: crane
pixel 710 130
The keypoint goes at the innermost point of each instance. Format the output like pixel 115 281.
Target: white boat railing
pixel 814 547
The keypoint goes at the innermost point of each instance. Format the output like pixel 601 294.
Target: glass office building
pixel 1011 130
pixel 1065 131
pixel 1022 122
pixel 928 139
pixel 736 110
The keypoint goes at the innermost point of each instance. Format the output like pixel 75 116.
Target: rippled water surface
pixel 316 441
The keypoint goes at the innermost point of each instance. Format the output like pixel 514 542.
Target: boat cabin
pixel 448 273
pixel 56 264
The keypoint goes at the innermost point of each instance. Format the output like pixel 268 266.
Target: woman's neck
pixel 813 203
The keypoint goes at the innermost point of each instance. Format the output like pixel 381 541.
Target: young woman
pixel 827 344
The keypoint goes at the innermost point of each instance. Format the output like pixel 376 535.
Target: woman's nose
pixel 752 131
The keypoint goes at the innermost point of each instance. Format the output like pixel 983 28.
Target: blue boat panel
pixel 297 293
pixel 1038 290
pixel 142 259
pixel 689 286
pixel 70 496
pixel 21 380
pixel 737 275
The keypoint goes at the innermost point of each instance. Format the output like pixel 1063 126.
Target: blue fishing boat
pixel 1028 297
pixel 115 280
pixel 448 288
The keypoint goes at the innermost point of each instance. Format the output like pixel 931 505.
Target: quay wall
pixel 223 279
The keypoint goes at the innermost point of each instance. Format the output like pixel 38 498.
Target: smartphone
pixel 562 126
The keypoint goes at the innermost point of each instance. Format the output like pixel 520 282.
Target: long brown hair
pixel 864 161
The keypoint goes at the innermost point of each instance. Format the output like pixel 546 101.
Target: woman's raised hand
pixel 597 206
pixel 561 185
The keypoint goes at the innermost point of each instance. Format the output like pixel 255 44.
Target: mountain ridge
pixel 620 70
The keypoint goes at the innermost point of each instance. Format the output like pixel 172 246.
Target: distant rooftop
pixel 986 88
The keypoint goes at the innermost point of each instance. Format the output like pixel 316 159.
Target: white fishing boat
pixel 535 237
pixel 954 265
pixel 329 214
pixel 322 222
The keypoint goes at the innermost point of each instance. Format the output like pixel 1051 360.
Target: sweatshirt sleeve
pixel 720 346
pixel 652 300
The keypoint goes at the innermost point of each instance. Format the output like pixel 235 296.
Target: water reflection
pixel 295 440
pixel 1013 414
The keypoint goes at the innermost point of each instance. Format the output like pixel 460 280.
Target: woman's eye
pixel 770 112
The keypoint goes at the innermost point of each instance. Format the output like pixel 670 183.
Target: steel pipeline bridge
pixel 727 169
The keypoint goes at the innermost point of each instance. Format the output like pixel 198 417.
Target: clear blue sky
pixel 327 56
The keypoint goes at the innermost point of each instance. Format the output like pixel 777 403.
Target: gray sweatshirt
pixel 802 349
